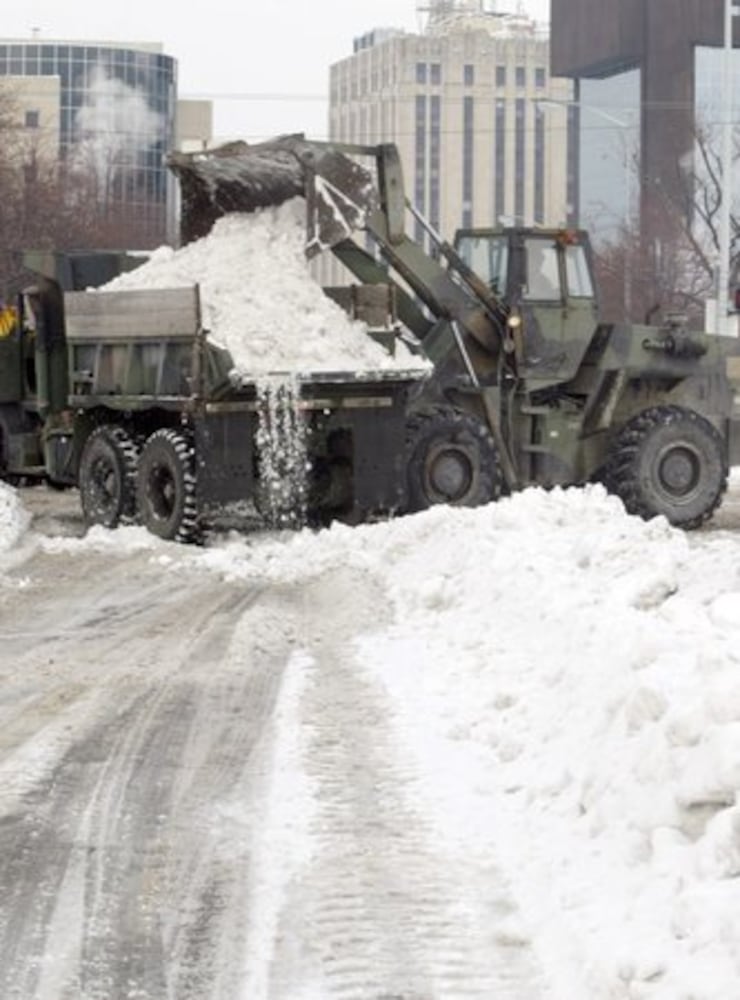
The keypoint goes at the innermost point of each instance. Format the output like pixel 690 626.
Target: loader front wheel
pixel 451 459
pixel 166 489
pixel 107 477
pixel 669 461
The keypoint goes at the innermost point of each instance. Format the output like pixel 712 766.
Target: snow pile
pixel 593 703
pixel 568 677
pixel 14 518
pixel 259 300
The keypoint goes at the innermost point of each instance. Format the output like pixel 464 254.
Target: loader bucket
pixel 239 177
pixel 236 177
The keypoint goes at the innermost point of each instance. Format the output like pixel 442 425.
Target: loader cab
pixel 546 276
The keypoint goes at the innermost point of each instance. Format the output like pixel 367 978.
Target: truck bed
pixel 149 345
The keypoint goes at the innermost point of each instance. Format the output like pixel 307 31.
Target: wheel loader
pixel 527 387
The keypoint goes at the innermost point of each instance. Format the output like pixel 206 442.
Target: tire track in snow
pixel 384 910
pixel 124 854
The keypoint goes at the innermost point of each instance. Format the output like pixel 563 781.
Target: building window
pixel 539 78
pixel 520 76
pixel 421 72
pixel 468 74
pixel 499 159
pixel 468 154
pixel 573 169
pixel 32 119
pixel 500 76
pixel 435 146
pixel 539 166
pixel 519 159
pixel 435 74
pixel 420 151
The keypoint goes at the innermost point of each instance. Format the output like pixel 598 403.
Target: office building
pixel 108 110
pixel 647 80
pixel 481 126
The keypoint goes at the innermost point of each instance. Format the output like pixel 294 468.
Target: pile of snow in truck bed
pixel 260 301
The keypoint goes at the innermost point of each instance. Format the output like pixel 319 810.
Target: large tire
pixel 669 461
pixel 451 459
pixel 15 421
pixel 166 489
pixel 107 477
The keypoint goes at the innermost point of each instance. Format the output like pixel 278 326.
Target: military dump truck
pixel 128 398
pixel 125 397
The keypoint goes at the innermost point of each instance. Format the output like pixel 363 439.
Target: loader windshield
pixel 488 256
pixel 543 272
pixel 578 273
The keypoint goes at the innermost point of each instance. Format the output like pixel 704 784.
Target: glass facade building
pixel 608 111
pixel 117 108
pixel 677 51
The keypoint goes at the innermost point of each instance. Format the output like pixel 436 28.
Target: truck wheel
pixel 450 458
pixel 669 461
pixel 166 492
pixel 107 477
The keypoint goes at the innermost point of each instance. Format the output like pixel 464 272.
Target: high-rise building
pixel 481 126
pixel 109 109
pixel 651 73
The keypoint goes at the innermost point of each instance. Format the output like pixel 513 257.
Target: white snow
pixel 567 679
pixel 260 301
pixel 14 518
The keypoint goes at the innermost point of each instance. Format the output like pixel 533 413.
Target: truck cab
pixel 34 418
pixel 546 276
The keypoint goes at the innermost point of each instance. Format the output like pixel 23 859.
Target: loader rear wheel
pixel 166 492
pixel 451 459
pixel 107 477
pixel 669 461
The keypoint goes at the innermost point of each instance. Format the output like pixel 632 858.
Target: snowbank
pixel 260 301
pixel 14 518
pixel 568 676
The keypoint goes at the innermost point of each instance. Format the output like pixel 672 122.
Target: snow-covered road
pixel 202 796
pixel 125 719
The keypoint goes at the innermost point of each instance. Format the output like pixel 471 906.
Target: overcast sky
pixel 265 65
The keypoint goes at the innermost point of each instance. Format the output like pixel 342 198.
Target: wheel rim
pixel 104 485
pixel 162 491
pixel 679 471
pixel 449 473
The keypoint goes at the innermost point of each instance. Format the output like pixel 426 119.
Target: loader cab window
pixel 543 274
pixel 578 273
pixel 488 256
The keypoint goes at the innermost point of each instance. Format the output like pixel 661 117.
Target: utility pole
pixel 723 270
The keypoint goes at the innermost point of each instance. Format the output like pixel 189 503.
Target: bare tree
pixel 676 272
pixel 55 203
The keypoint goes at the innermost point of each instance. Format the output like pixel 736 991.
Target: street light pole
pixel 723 270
